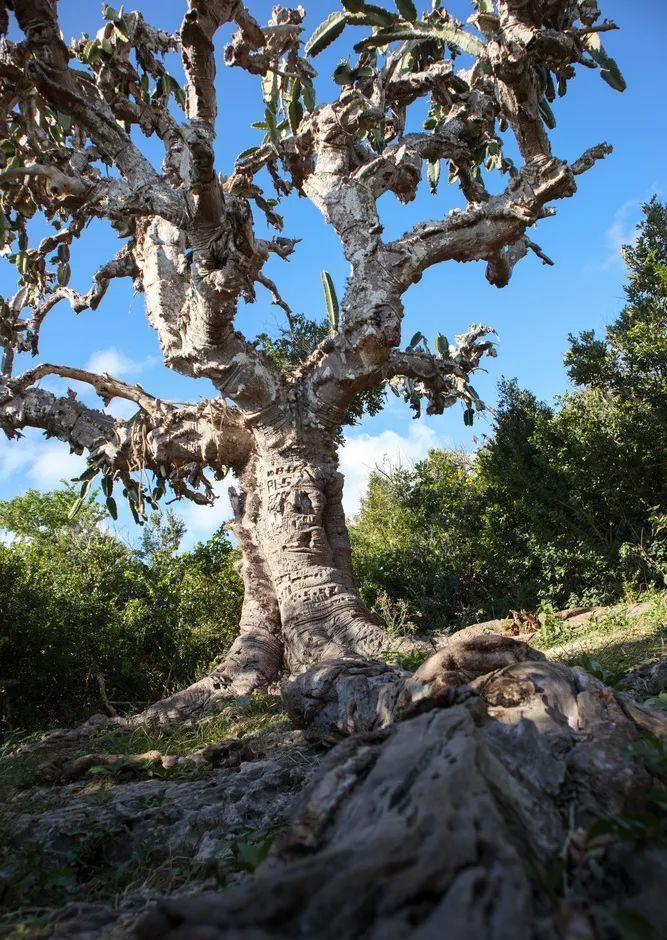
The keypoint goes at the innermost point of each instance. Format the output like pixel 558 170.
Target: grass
pixel 95 867
pixel 19 772
pixel 410 661
pixel 616 639
pixel 255 718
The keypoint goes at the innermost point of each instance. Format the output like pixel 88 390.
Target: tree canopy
pixel 188 235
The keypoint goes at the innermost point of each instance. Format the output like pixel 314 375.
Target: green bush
pixel 76 603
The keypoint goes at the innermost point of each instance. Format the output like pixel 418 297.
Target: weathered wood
pixel 425 827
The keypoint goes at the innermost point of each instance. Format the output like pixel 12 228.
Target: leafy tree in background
pixel 625 381
pixel 564 505
pixel 630 363
pixel 415 539
pixel 77 603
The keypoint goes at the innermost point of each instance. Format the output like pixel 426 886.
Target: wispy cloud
pixel 42 464
pixel 363 453
pixel 13 457
pixel 623 230
pixel 114 362
pixel 52 462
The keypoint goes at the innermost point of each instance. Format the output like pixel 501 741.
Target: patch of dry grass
pixel 619 638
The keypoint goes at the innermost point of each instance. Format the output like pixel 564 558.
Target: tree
pixel 83 614
pixel 625 381
pixel 565 505
pixel 630 363
pixel 189 243
pixel 417 538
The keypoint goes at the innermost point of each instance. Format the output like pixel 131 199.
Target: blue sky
pixel 533 315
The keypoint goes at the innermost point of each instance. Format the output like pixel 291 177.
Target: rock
pixel 400 835
pixel 646 680
pixel 142 825
pixel 343 696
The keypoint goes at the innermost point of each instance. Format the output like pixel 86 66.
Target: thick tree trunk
pixel 301 606
pixel 293 506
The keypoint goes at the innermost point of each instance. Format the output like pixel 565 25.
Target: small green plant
pixel 652 752
pixel 648 826
pixel 627 923
pixel 396 616
pixel 149 802
pixel 99 798
pixel 553 631
pixel 36 875
pixel 610 677
pixel 659 700
pixel 548 877
pixel 410 661
pixel 247 853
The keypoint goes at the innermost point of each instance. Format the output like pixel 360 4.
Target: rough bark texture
pixel 189 244
pixel 470 814
pixel 432 824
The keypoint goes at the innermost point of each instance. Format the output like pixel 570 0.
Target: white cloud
pixel 14 455
pixel 103 360
pixel 363 453
pixel 623 229
pixel 113 361
pixel 202 521
pixel 52 463
pixel 42 464
pixel 121 408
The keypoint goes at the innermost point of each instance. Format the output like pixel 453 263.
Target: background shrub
pixel 77 603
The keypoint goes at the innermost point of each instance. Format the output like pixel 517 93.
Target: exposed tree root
pixel 421 821
pixel 345 696
pixel 252 664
